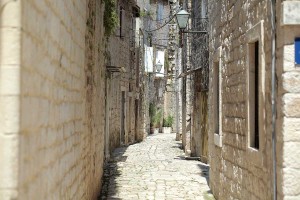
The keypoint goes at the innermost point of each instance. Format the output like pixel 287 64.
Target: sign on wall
pixel 297 51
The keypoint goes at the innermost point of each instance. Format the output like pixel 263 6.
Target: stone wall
pixel 288 101
pixel 237 170
pixel 199 61
pixel 122 52
pixel 57 106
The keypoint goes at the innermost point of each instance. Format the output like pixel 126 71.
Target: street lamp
pixel 158 66
pixel 182 18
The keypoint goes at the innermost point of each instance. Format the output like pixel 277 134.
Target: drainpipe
pixel 177 96
pixel 107 116
pixel 273 49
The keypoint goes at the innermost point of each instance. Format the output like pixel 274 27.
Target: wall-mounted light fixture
pixel 158 67
pixel 182 18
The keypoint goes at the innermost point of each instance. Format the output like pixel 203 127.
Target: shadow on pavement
pixel 111 172
pixel 204 171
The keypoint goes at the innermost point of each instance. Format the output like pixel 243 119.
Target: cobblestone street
pixel 155 169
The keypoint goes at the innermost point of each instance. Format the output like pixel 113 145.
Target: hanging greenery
pixel 110 17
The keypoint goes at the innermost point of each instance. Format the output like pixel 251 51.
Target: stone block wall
pixel 122 53
pixel 288 101
pixel 237 170
pixel 57 107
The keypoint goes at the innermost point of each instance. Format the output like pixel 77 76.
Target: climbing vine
pixel 110 17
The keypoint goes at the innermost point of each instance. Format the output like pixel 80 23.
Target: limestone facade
pixel 124 90
pixel 199 88
pixel 51 99
pixel 241 160
pixel 158 94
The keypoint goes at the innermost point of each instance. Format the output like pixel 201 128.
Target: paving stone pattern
pixel 155 169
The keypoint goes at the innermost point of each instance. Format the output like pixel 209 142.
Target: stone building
pixel 50 127
pixel 199 87
pixel 124 77
pixel 194 80
pixel 157 29
pixel 247 126
pixel 186 82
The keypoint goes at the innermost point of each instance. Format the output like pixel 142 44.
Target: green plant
pixel 157 118
pixel 152 112
pixel 110 18
pixel 155 115
pixel 168 122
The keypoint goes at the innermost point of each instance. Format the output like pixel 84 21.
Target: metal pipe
pixel 107 116
pixel 273 50
pixel 177 97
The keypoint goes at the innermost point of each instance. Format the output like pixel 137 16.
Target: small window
pixel 254 91
pixel 160 10
pixel 216 101
pixel 216 97
pixel 203 8
pixel 121 20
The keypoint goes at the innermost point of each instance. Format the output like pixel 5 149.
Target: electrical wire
pixel 166 23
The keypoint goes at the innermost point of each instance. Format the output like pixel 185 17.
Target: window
pixel 254 91
pixel 217 97
pixel 256 88
pixel 121 20
pixel 160 10
pixel 203 8
pixel 216 92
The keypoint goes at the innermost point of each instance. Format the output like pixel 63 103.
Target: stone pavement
pixel 155 169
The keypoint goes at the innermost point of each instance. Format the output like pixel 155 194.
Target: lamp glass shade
pixel 158 66
pixel 182 19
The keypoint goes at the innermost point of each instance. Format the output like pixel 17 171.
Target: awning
pixel 184 74
pixel 113 69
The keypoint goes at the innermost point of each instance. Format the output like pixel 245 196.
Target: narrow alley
pixel 117 99
pixel 155 169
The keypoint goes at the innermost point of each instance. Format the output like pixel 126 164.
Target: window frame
pixel 217 63
pixel 256 33
pixel 121 21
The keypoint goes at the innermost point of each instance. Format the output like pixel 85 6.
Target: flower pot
pixel 167 129
pixel 152 130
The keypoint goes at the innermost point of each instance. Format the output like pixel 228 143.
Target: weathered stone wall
pixel 288 101
pixel 199 61
pixel 199 141
pixel 57 106
pixel 122 53
pixel 237 170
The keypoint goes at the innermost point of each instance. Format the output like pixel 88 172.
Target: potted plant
pixel 152 112
pixel 157 120
pixel 167 124
pixel 155 115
